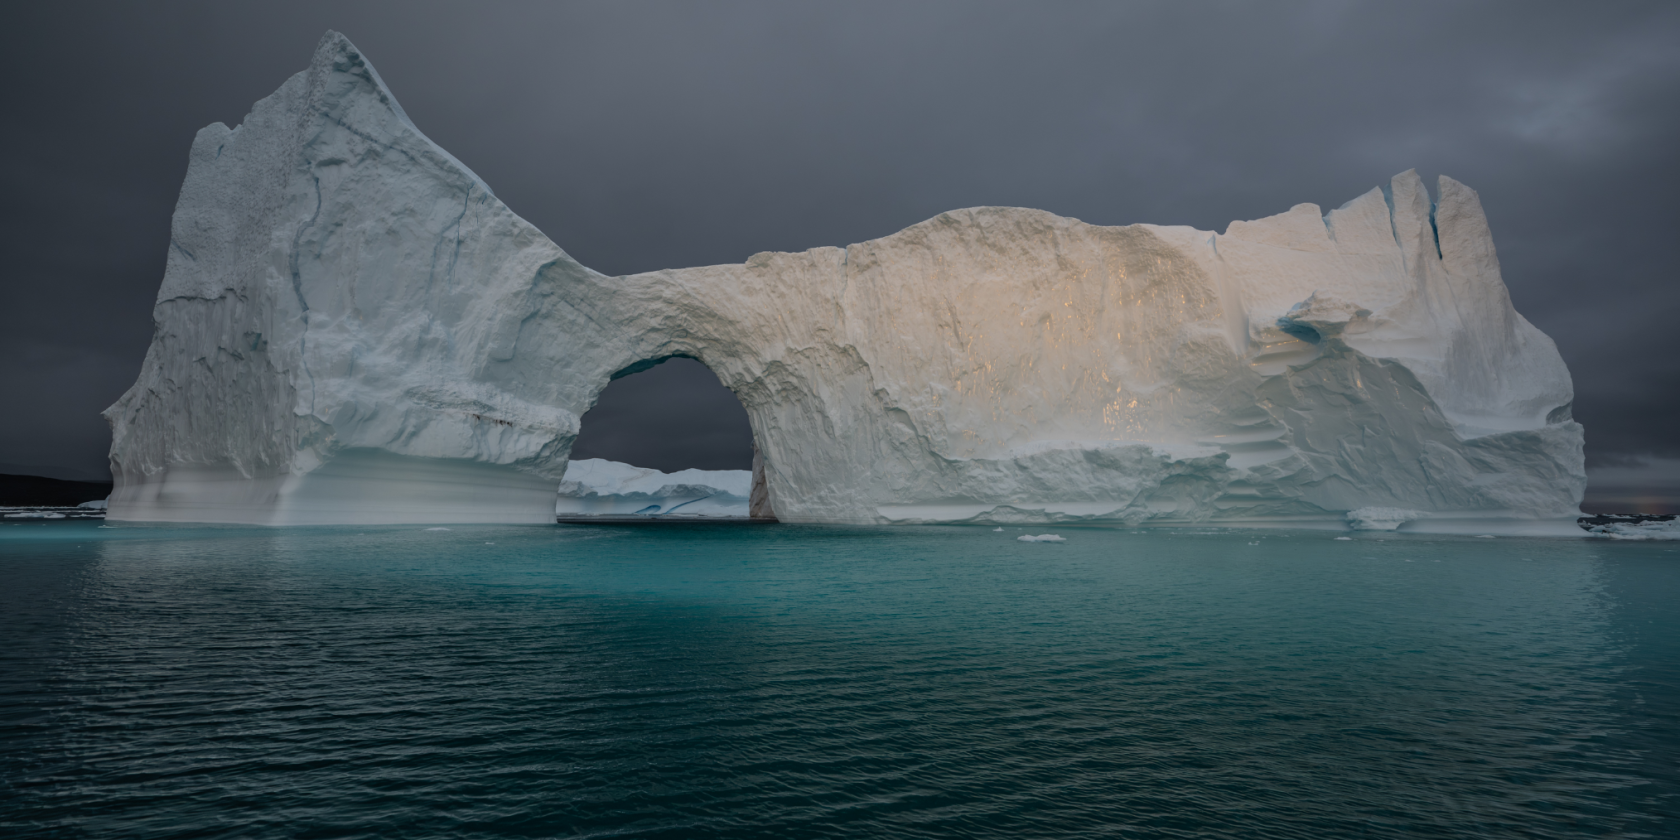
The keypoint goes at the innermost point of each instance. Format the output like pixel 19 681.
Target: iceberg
pixel 595 487
pixel 1634 527
pixel 352 328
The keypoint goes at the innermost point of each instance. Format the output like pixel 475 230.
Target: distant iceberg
pixel 1634 527
pixel 597 487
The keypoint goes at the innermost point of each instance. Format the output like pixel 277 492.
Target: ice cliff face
pixel 352 328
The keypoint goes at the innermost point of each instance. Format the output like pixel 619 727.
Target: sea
pixel 734 681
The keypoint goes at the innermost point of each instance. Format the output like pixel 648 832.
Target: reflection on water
pixel 798 681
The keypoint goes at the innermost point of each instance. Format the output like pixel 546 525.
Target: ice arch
pixel 352 328
pixel 671 443
pixel 669 416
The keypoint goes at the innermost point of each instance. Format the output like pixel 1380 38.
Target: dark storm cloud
pixel 643 136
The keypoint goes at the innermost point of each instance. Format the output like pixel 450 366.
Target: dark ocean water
pixel 743 682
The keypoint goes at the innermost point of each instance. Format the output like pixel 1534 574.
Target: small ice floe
pixel 1344 538
pixel 997 530
pixel 437 529
pixel 1484 536
pixel 98 504
pixel 1040 538
pixel 35 514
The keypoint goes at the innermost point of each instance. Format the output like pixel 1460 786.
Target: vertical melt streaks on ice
pixel 349 314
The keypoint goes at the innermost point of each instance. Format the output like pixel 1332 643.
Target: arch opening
pixel 665 441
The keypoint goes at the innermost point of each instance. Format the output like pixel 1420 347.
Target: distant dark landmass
pixel 38 491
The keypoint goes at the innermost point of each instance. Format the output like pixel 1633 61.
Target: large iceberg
pixel 352 328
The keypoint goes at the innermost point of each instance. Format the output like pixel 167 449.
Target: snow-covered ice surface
pixel 596 487
pixel 1041 538
pixel 352 328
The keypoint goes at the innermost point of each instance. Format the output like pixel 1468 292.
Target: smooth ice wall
pixel 352 327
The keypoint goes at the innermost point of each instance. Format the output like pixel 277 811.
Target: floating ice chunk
pixel 35 514
pixel 1041 538
pixel 437 529
pixel 1344 538
pixel 995 530
pixel 1381 518
pixel 97 504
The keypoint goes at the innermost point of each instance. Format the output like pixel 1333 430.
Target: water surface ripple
pixel 741 682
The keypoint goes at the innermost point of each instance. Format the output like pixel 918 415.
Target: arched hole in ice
pixel 1299 330
pixel 665 440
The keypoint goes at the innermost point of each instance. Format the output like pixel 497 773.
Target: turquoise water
pixel 743 682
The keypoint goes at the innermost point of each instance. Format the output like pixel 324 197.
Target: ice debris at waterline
pixel 352 328
pixel 1634 526
pixel 1381 518
pixel 596 487
pixel 83 511
pixel 1043 538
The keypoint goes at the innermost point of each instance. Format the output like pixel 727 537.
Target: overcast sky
pixel 654 135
